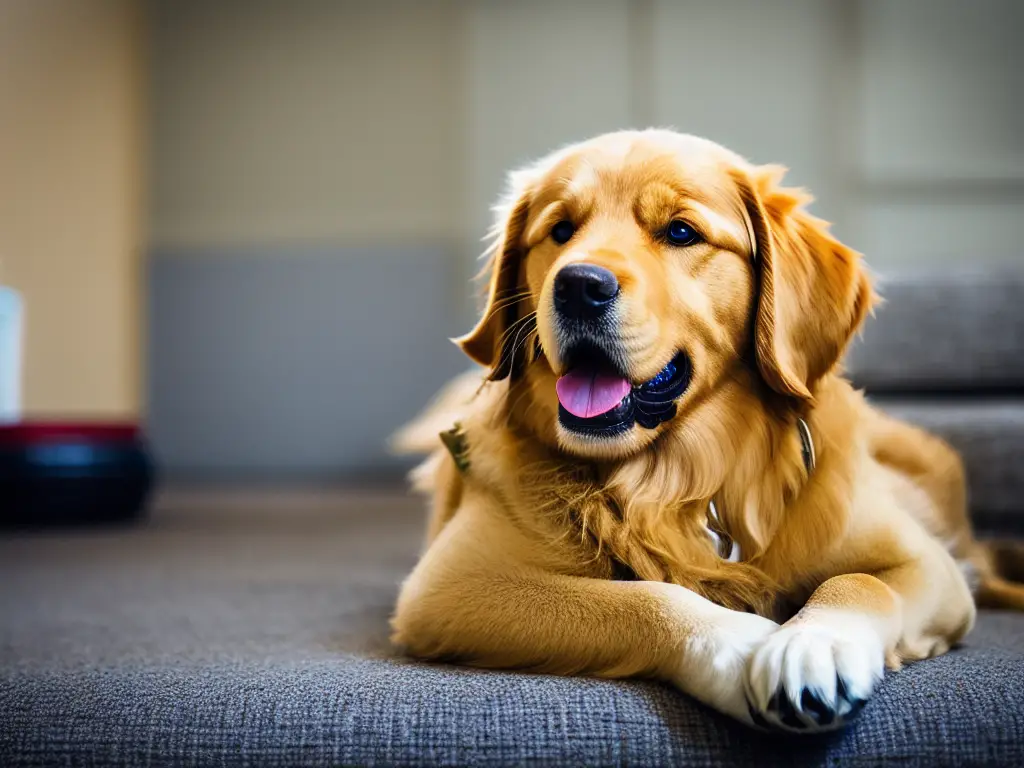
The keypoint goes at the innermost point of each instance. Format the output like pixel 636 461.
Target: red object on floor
pixel 27 433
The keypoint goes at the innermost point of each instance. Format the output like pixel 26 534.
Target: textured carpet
pixel 253 631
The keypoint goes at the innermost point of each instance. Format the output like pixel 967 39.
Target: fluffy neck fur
pixel 645 515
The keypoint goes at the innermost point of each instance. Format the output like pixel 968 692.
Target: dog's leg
pixel 998 570
pixel 998 593
pixel 477 597
pixel 817 671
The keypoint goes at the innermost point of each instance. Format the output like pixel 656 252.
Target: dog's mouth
pixel 595 399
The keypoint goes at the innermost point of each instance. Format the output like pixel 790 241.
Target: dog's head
pixel 634 273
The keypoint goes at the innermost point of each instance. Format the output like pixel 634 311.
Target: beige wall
pixel 316 121
pixel 70 239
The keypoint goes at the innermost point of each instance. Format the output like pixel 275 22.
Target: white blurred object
pixel 10 355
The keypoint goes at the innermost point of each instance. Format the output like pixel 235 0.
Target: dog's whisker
pixel 505 302
pixel 521 344
pixel 526 322
pixel 517 324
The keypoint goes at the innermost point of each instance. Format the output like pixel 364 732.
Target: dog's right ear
pixel 814 291
pixel 490 343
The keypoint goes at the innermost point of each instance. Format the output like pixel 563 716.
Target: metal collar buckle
pixel 724 544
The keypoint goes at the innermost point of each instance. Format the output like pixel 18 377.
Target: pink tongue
pixel 587 394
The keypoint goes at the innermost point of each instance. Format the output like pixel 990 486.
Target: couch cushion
pixel 253 632
pixel 943 331
pixel 989 435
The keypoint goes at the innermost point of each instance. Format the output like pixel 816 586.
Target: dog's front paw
pixel 815 674
pixel 713 661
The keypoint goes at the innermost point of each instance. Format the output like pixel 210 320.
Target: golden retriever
pixel 662 472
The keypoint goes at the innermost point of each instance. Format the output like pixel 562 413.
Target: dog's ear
pixel 813 291
pixel 490 343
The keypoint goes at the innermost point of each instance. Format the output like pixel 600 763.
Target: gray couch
pixel 252 629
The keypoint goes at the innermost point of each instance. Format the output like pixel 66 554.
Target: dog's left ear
pixel 814 291
pixel 490 343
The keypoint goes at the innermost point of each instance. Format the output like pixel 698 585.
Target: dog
pixel 659 469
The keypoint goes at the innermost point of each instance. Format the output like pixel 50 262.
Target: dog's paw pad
pixel 813 677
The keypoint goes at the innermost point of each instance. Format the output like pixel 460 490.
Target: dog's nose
pixel 584 290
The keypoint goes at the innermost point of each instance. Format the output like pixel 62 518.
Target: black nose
pixel 584 290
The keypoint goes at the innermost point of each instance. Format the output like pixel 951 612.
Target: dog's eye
pixel 681 233
pixel 562 232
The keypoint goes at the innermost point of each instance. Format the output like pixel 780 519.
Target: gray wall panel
pixel 294 363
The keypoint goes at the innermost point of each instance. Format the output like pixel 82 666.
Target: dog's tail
pixel 421 435
pixel 1000 567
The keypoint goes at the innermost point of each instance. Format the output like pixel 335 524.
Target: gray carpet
pixel 253 631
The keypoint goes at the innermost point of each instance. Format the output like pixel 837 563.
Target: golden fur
pixel 569 554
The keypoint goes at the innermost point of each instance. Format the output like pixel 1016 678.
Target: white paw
pixel 713 662
pixel 816 673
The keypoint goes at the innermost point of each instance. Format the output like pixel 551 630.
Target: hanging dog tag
pixel 454 440
pixel 725 545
